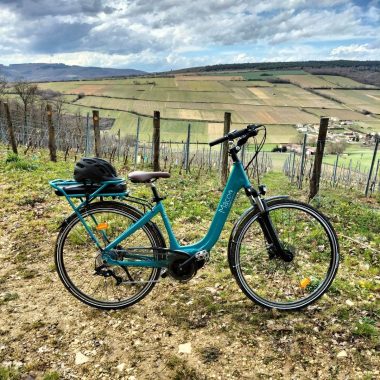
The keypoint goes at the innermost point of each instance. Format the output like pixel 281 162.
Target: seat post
pixel 156 197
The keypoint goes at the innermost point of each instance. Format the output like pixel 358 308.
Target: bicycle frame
pixel 237 179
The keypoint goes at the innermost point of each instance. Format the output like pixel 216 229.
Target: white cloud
pixel 357 51
pixel 174 34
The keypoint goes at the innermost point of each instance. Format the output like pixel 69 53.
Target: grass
pixel 360 157
pixel 225 329
pixel 9 373
pixel 366 327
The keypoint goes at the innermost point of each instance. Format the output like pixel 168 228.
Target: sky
pixel 165 35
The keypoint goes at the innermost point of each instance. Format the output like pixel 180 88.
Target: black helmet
pixel 94 170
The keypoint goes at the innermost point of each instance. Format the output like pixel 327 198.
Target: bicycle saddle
pixel 142 177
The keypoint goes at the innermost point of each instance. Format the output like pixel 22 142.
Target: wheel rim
pixel 76 262
pixel 274 282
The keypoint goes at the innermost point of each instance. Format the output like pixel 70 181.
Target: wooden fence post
pixel 335 170
pixel 300 179
pixel 293 169
pixel 377 140
pixel 118 145
pixel 188 148
pixel 243 154
pixel 95 120
pixel 11 133
pixel 316 176
pixel 224 160
pixel 52 144
pixel 156 141
pixel 87 146
pixel 377 172
pixel 137 140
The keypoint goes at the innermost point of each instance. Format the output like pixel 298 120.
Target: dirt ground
pixel 203 329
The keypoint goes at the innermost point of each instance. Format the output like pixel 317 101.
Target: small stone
pixel 80 358
pixel 342 354
pixel 349 303
pixel 184 348
pixel 121 367
pixel 211 290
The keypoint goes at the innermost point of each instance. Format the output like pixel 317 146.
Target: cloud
pixel 32 9
pixel 368 51
pixel 174 34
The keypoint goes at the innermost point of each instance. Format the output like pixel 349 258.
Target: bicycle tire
pixel 309 274
pixel 75 254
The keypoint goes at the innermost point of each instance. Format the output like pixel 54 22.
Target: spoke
pixel 79 253
pixel 279 281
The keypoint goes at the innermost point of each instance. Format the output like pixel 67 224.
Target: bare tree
pixel 27 92
pixel 57 100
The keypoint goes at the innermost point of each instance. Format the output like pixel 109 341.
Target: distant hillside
pixel 363 71
pixel 38 72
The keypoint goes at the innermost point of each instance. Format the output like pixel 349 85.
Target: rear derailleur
pixel 103 269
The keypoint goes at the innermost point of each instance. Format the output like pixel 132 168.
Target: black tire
pixel 270 281
pixel 75 255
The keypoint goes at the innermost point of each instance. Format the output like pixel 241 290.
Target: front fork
pixel 275 247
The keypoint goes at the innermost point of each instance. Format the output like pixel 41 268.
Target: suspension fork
pixel 275 247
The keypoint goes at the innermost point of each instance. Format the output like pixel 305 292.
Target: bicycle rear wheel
pixel 269 280
pixel 77 257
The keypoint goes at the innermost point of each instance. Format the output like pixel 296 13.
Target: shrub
pixel 12 157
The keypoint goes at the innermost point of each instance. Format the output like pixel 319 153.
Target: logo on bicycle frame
pixel 227 202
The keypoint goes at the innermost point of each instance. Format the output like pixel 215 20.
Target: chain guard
pixel 181 266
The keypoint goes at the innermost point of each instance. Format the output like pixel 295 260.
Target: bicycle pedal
pixel 164 273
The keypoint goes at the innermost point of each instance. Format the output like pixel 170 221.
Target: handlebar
pixel 249 131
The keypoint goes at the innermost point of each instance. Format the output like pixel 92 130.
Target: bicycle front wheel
pixel 268 279
pixel 78 259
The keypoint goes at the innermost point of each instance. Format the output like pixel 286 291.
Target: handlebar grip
pixel 250 129
pixel 218 141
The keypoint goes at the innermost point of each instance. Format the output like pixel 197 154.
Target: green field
pixel 263 74
pixel 356 155
pixel 341 114
pixel 203 99
pixel 323 81
pixel 368 100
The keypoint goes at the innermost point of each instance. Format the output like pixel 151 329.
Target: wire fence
pixel 74 135
pixel 352 175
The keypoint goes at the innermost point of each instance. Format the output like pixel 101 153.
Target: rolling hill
pixel 37 72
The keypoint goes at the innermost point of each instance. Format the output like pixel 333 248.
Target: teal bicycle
pixel 109 254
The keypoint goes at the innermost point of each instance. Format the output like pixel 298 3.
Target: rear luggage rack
pixel 73 189
pixel 87 192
